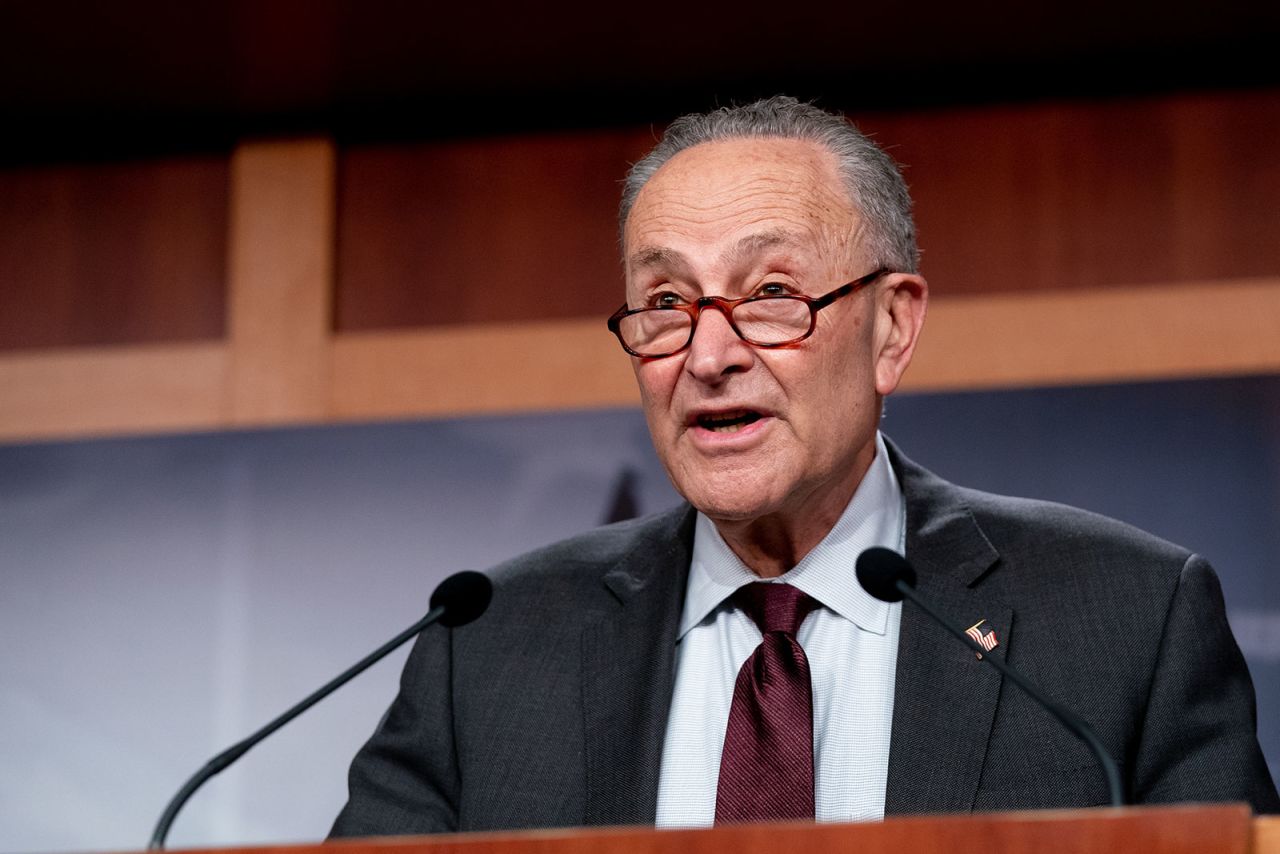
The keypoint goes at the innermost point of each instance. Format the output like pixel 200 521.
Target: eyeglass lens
pixel 775 320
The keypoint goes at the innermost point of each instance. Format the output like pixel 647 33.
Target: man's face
pixel 747 433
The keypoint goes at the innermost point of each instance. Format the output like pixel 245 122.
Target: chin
pixel 735 492
pixel 721 512
pixel 731 502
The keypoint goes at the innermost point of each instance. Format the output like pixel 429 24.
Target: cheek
pixel 656 381
pixel 841 385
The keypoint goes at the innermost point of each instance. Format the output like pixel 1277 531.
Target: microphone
pixel 886 575
pixel 459 599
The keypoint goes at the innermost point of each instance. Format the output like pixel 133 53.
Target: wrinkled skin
pixel 727 218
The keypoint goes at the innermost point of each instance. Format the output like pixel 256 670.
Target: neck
pixel 771 546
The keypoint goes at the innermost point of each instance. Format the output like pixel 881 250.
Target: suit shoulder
pixel 1027 521
pixel 550 593
pixel 1025 527
pixel 591 553
pixel 1044 542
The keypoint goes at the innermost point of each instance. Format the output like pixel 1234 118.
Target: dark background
pixel 95 79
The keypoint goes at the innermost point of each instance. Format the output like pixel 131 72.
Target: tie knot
pixel 775 607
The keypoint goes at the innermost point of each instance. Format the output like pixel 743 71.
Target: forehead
pixel 722 194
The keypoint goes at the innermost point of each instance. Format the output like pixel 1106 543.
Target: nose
pixel 716 350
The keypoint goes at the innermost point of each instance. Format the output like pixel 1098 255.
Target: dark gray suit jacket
pixel 551 709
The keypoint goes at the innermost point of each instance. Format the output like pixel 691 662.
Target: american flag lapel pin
pixel 983 635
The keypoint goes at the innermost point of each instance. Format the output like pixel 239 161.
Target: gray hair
pixel 871 177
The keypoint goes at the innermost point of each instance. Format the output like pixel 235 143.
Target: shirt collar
pixel 875 516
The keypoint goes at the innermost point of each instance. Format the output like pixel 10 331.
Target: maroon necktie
pixel 766 769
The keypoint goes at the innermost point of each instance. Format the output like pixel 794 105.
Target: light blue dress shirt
pixel 851 643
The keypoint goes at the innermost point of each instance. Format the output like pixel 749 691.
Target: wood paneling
pixel 1069 243
pixel 1090 195
pixel 983 341
pixel 1014 198
pixel 474 369
pixel 113 253
pixel 1099 336
pixel 281 280
pixel 482 231
pixel 87 391
pixel 998 340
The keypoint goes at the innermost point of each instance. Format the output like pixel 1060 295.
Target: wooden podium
pixel 1188 829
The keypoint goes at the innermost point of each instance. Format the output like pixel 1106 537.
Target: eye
pixel 665 299
pixel 775 289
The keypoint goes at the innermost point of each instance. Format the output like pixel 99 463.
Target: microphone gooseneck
pixel 888 576
pixel 459 599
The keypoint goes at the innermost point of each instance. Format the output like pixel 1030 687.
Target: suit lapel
pixel 944 698
pixel 628 675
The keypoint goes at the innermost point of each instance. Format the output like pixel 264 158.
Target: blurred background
pixel 301 309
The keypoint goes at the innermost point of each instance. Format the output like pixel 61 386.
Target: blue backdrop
pixel 164 596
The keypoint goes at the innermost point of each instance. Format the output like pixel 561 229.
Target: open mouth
pixel 728 422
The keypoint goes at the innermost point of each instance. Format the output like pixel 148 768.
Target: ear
pixel 901 300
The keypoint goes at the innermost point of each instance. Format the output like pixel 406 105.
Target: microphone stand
pixel 1078 727
pixel 231 754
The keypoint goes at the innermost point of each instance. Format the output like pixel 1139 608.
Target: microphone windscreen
pixel 880 570
pixel 464 596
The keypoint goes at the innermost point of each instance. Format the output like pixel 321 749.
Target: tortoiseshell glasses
pixel 766 320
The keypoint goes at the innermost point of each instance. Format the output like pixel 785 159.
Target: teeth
pixel 728 422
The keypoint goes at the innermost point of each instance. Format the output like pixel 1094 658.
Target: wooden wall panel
pixel 1008 198
pixel 1068 243
pixel 113 253
pixel 1090 195
pixel 281 265
pixel 92 391
pixel 512 229
pixel 1076 337
pixel 562 364
pixel 1221 328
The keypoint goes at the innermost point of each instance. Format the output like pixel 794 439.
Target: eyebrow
pixel 648 257
pixel 753 244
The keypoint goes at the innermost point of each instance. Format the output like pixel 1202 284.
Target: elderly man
pixel 647 673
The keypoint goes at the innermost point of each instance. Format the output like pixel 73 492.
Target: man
pixel 637 674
